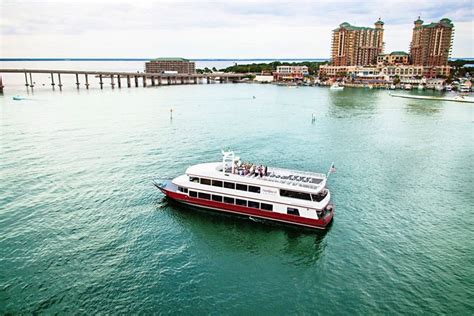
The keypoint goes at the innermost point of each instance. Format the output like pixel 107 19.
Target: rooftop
pixel 349 27
pixel 169 59
pixel 398 52
pixel 445 22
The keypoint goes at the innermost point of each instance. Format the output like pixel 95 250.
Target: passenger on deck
pixel 265 171
pixel 260 171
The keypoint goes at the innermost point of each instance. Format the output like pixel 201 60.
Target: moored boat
pixel 257 191
pixel 336 87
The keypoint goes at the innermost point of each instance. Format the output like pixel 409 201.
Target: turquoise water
pixel 83 230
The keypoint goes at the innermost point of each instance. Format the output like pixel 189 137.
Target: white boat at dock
pixel 336 87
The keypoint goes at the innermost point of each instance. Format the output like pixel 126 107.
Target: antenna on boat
pixel 227 157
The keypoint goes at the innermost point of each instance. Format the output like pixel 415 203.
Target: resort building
pixel 290 72
pixel 356 46
pixel 394 58
pixel 178 65
pixel 431 43
pixel 403 71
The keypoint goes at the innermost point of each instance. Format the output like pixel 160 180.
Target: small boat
pixel 18 98
pixel 392 87
pixel 449 88
pixel 255 191
pixel 464 88
pixel 421 87
pixel 336 87
pixel 407 86
pixel 439 87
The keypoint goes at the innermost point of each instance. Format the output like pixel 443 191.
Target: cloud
pixel 243 27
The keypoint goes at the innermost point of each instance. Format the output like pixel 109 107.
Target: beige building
pixel 394 58
pixel 290 72
pixel 169 64
pixel 431 43
pixel 402 71
pixel 356 46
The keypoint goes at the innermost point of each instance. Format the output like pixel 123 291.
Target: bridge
pixel 132 78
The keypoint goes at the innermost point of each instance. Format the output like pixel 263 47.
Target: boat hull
pixel 250 212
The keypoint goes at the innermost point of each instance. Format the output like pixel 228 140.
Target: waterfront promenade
pixel 116 77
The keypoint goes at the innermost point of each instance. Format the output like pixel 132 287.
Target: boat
pixel 260 192
pixel 421 87
pixel 448 88
pixel 464 88
pixel 458 98
pixel 407 86
pixel 336 86
pixel 18 98
pixel 392 87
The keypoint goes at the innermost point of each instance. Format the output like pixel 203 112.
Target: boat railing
pixel 288 172
pixel 293 183
pixel 305 179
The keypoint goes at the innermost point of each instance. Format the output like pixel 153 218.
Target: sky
pixel 212 29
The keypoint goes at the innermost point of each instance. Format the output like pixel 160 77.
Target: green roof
pixel 398 52
pixel 419 21
pixel 445 22
pixel 349 27
pixel 169 59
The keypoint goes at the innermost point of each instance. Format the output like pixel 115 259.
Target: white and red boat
pixel 235 187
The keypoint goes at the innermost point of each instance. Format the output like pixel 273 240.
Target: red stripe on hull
pixel 242 210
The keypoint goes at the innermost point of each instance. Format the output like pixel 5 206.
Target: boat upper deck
pixel 282 178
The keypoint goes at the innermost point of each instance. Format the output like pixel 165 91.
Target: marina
pixel 122 193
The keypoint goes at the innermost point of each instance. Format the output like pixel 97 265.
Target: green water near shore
pixel 83 230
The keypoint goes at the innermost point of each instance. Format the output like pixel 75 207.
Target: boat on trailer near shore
pixel 255 191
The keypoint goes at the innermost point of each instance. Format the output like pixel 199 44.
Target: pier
pixel 125 78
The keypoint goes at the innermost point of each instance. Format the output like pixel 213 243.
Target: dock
pixel 426 97
pixel 127 79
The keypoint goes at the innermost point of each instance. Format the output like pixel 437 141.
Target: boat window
pixel 228 200
pixel 205 181
pixel 184 190
pixel 266 207
pixel 229 185
pixel 254 189
pixel 292 211
pixel 193 194
pixel 204 196
pixel 194 179
pixel 254 204
pixel 241 202
pixel 217 198
pixel 217 183
pixel 295 195
pixel 241 187
pixel 320 196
